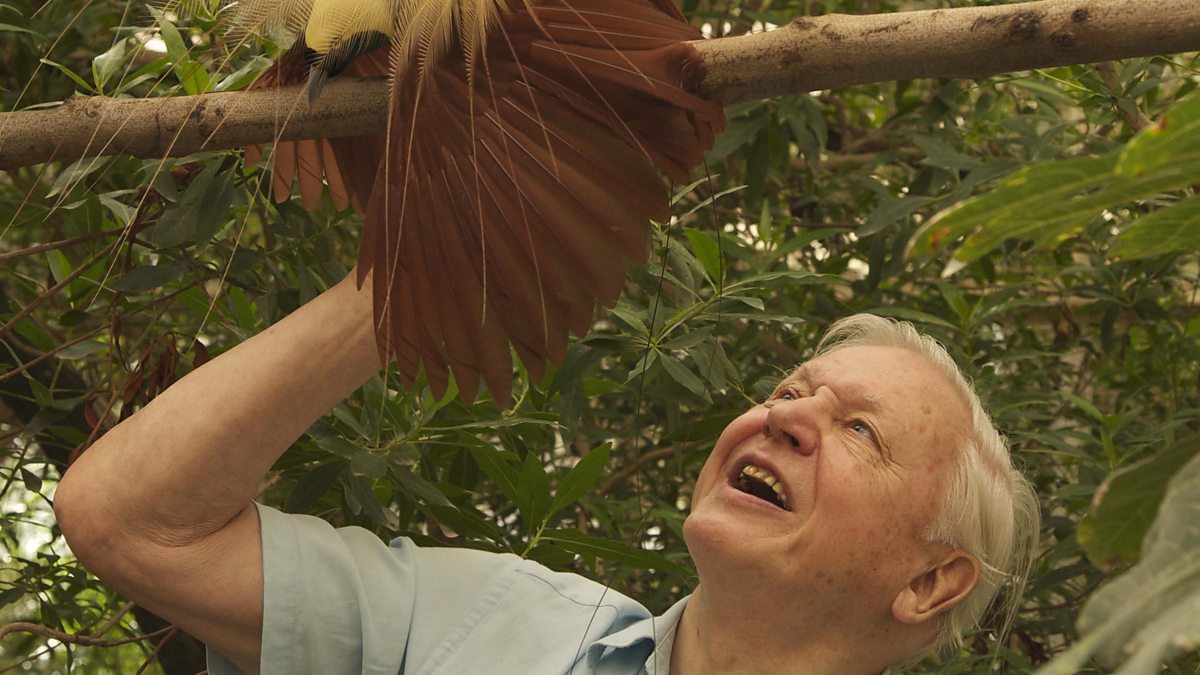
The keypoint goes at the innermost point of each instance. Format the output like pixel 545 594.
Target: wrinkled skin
pixel 862 439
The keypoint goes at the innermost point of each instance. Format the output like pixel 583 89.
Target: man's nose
pixel 797 423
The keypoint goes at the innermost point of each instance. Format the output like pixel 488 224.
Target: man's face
pixel 860 442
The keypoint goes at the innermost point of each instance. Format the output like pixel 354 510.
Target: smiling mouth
pixel 759 482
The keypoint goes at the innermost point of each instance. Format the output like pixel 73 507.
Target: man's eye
pixel 861 427
pixel 787 395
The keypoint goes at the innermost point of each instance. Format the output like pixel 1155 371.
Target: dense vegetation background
pixel 1073 304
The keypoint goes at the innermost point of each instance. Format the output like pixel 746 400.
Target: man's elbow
pixel 91 534
pixel 71 511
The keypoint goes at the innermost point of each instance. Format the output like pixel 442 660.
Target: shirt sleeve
pixel 334 600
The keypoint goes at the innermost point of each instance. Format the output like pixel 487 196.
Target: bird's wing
pixel 346 164
pixel 509 200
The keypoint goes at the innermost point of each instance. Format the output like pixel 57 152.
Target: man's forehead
pixel 816 373
pixel 897 384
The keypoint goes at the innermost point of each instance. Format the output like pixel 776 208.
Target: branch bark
pixel 809 54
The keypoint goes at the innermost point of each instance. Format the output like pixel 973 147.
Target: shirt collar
pixel 659 629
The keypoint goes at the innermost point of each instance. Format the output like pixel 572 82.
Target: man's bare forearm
pixel 193 459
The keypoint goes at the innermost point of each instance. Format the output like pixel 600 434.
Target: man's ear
pixel 945 585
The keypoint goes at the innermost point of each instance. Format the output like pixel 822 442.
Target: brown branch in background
pixel 837 50
pixel 645 458
pixel 113 620
pixel 808 54
pixel 171 632
pixel 56 245
pixel 81 640
pixel 25 366
pixel 55 289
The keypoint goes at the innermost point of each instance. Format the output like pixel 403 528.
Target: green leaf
pixel 32 481
pixel 11 595
pixel 362 499
pixel 533 490
pixel 369 464
pixel 67 71
pixel 631 316
pixel 309 489
pixel 738 133
pixel 494 463
pixel 1152 613
pixel 1054 200
pixel 201 211
pixel 73 175
pixel 581 478
pixel 689 339
pixel 9 28
pixel 143 279
pixel 939 153
pixel 1020 200
pixel 106 64
pixel 708 252
pixel 1125 506
pixel 1175 228
pixel 1163 146
pixel 956 300
pixel 1086 406
pixel 177 49
pixel 81 350
pixel 891 210
pixel 683 375
pixel 60 267
pixel 467 522
pixel 621 552
pixel 418 487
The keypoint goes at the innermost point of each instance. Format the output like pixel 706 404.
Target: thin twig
pixel 157 648
pixel 113 621
pixel 633 468
pixel 32 657
pixel 29 364
pixel 54 290
pixel 55 245
pixel 58 348
pixel 82 640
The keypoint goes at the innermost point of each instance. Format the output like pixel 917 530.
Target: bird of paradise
pixel 518 172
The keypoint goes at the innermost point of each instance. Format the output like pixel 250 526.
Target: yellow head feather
pixel 332 21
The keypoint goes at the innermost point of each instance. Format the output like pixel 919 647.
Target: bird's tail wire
pixel 471 51
pixel 496 110
pixel 570 58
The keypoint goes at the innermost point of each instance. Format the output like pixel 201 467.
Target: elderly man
pixel 863 515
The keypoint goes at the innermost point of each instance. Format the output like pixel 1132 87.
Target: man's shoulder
pixel 465 569
pixel 496 612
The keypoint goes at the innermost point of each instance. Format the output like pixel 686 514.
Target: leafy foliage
pixel 1073 305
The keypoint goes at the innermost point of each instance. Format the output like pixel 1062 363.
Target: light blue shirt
pixel 341 601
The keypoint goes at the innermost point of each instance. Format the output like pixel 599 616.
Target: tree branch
pixel 809 54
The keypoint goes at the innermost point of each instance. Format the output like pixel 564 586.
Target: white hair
pixel 988 507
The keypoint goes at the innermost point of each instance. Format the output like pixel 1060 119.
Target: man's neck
pixel 728 636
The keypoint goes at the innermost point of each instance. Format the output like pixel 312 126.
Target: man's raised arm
pixel 160 507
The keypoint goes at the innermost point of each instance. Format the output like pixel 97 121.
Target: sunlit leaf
pixel 1151 613
pixel 1175 228
pixel 1126 504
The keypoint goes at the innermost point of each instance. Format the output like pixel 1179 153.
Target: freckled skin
pixel 854 537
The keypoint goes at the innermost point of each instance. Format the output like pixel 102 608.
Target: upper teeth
pixel 759 473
